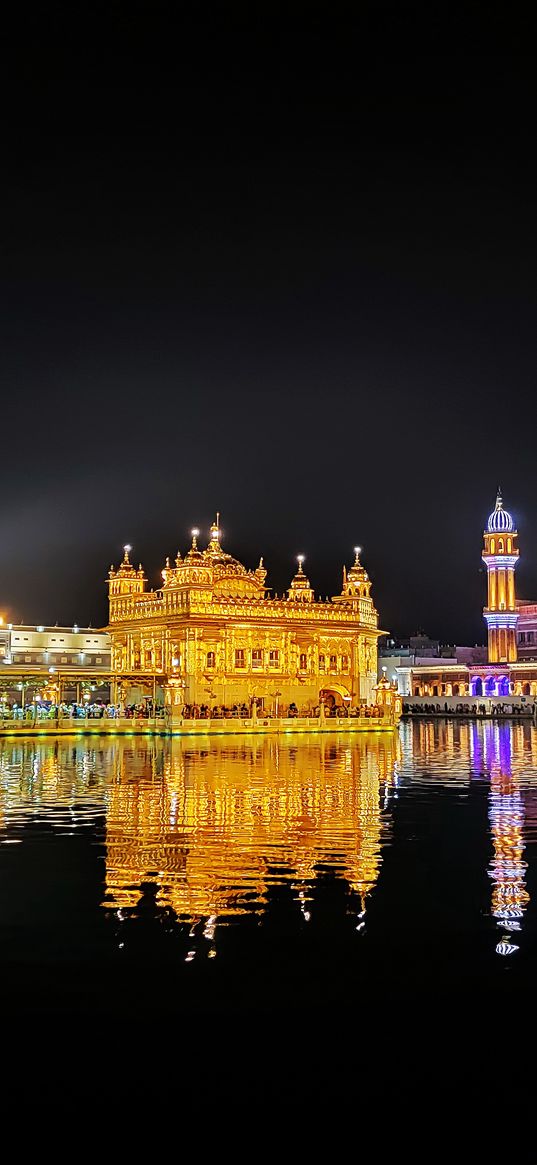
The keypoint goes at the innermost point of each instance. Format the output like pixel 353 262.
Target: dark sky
pixel 278 261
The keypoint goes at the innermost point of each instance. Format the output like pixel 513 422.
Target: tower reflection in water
pixel 215 829
pixel 506 814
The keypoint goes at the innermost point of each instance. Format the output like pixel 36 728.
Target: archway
pixel 525 689
pixel 336 696
pixel 503 686
pixel 477 686
pixel 489 686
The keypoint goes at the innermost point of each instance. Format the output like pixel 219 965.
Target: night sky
pixel 275 262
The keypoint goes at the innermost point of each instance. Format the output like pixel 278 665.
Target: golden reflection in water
pixel 215 827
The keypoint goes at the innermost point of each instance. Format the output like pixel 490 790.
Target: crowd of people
pixel 475 709
pixel 45 710
pixel 245 712
pixel 96 710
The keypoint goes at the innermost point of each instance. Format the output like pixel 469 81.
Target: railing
pixel 172 601
pixel 260 721
pixel 131 725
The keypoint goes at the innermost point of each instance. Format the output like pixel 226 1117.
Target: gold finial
pixel 167 562
pixel 215 528
pixel 195 534
pixel 126 551
pixel 357 553
pixel 300 559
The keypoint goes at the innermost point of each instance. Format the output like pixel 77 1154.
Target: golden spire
pixel 213 546
pixel 126 567
pixel 300 587
pixel 194 551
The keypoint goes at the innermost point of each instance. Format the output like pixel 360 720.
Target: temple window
pixel 257 657
pixel 500 546
pixel 303 661
pixel 240 660
pixel 508 545
pixel 522 636
pixel 211 659
pixel 344 663
pixel 274 658
pixel 321 663
pixel 333 663
pixel 493 546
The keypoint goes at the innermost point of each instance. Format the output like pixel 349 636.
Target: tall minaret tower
pixel 500 555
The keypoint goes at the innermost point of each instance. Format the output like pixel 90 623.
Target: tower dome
pixel 500 521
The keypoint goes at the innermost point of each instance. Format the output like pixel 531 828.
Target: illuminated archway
pixel 337 695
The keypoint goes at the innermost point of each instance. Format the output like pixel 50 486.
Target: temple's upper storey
pixel 213 582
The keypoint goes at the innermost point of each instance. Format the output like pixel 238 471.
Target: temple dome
pixel 500 521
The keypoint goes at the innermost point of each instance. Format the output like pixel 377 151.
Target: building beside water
pixel 510 668
pixel 56 663
pixel 213 634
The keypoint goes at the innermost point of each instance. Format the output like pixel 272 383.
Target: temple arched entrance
pixel 336 696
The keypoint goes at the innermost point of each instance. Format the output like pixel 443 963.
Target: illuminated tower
pixel 500 555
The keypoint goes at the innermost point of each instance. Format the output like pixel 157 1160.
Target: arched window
pixel 493 546
pixel 509 545
pixel 303 662
pixel 211 659
pixel 344 663
pixel 322 663
pixel 333 662
pixel 500 545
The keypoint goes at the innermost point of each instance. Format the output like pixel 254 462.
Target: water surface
pixel 244 874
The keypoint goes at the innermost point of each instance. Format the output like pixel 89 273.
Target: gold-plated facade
pixel 213 635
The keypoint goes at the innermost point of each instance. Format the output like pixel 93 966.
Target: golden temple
pixel 213 637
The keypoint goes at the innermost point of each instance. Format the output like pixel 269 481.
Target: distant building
pixel 526 632
pixel 509 666
pixel 56 662
pixel 45 647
